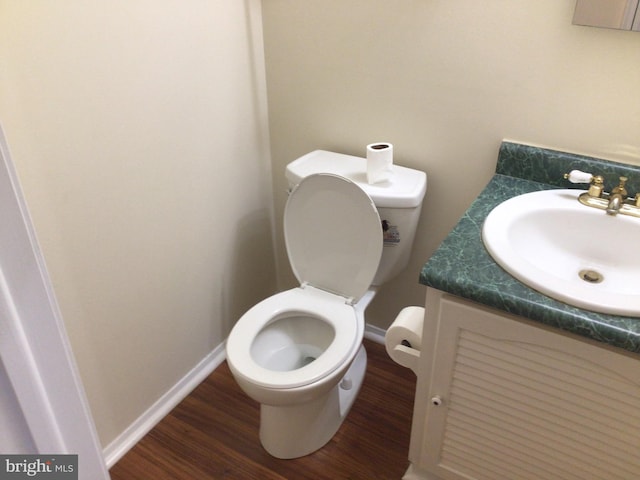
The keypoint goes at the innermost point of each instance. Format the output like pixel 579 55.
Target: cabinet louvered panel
pixel 521 411
pixel 524 403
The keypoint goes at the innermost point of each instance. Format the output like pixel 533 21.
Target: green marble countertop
pixel 462 266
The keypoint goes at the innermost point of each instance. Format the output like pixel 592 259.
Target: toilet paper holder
pixel 403 339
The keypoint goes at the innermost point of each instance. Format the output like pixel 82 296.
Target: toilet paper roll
pixel 379 162
pixel 403 339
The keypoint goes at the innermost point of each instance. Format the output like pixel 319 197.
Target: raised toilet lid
pixel 333 235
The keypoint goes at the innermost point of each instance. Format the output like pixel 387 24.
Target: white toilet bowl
pixel 294 354
pixel 289 348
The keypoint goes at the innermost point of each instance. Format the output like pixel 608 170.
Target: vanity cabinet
pixel 500 397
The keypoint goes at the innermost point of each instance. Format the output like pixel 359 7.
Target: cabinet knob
pixel 436 400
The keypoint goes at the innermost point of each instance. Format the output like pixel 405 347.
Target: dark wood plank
pixel 213 434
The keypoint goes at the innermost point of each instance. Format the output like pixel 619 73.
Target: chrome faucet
pixel 615 202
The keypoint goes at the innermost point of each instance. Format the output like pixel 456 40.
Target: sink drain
pixel 590 276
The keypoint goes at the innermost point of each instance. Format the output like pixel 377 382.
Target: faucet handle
pixel 620 188
pixel 597 182
pixel 577 176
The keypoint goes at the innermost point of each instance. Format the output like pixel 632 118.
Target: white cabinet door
pixel 506 399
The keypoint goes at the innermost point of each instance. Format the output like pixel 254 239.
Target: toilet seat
pixel 309 302
pixel 333 235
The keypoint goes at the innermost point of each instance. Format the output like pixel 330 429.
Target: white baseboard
pixel 375 334
pixel 150 418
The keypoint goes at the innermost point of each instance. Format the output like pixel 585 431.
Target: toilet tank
pixel 398 201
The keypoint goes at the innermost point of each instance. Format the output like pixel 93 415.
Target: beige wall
pixel 445 81
pixel 138 129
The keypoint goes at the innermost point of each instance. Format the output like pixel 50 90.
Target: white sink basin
pixel 568 251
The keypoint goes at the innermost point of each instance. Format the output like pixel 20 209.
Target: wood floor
pixel 213 434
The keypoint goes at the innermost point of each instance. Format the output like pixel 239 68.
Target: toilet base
pixel 297 430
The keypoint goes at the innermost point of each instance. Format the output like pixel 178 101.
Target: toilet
pixel 299 353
